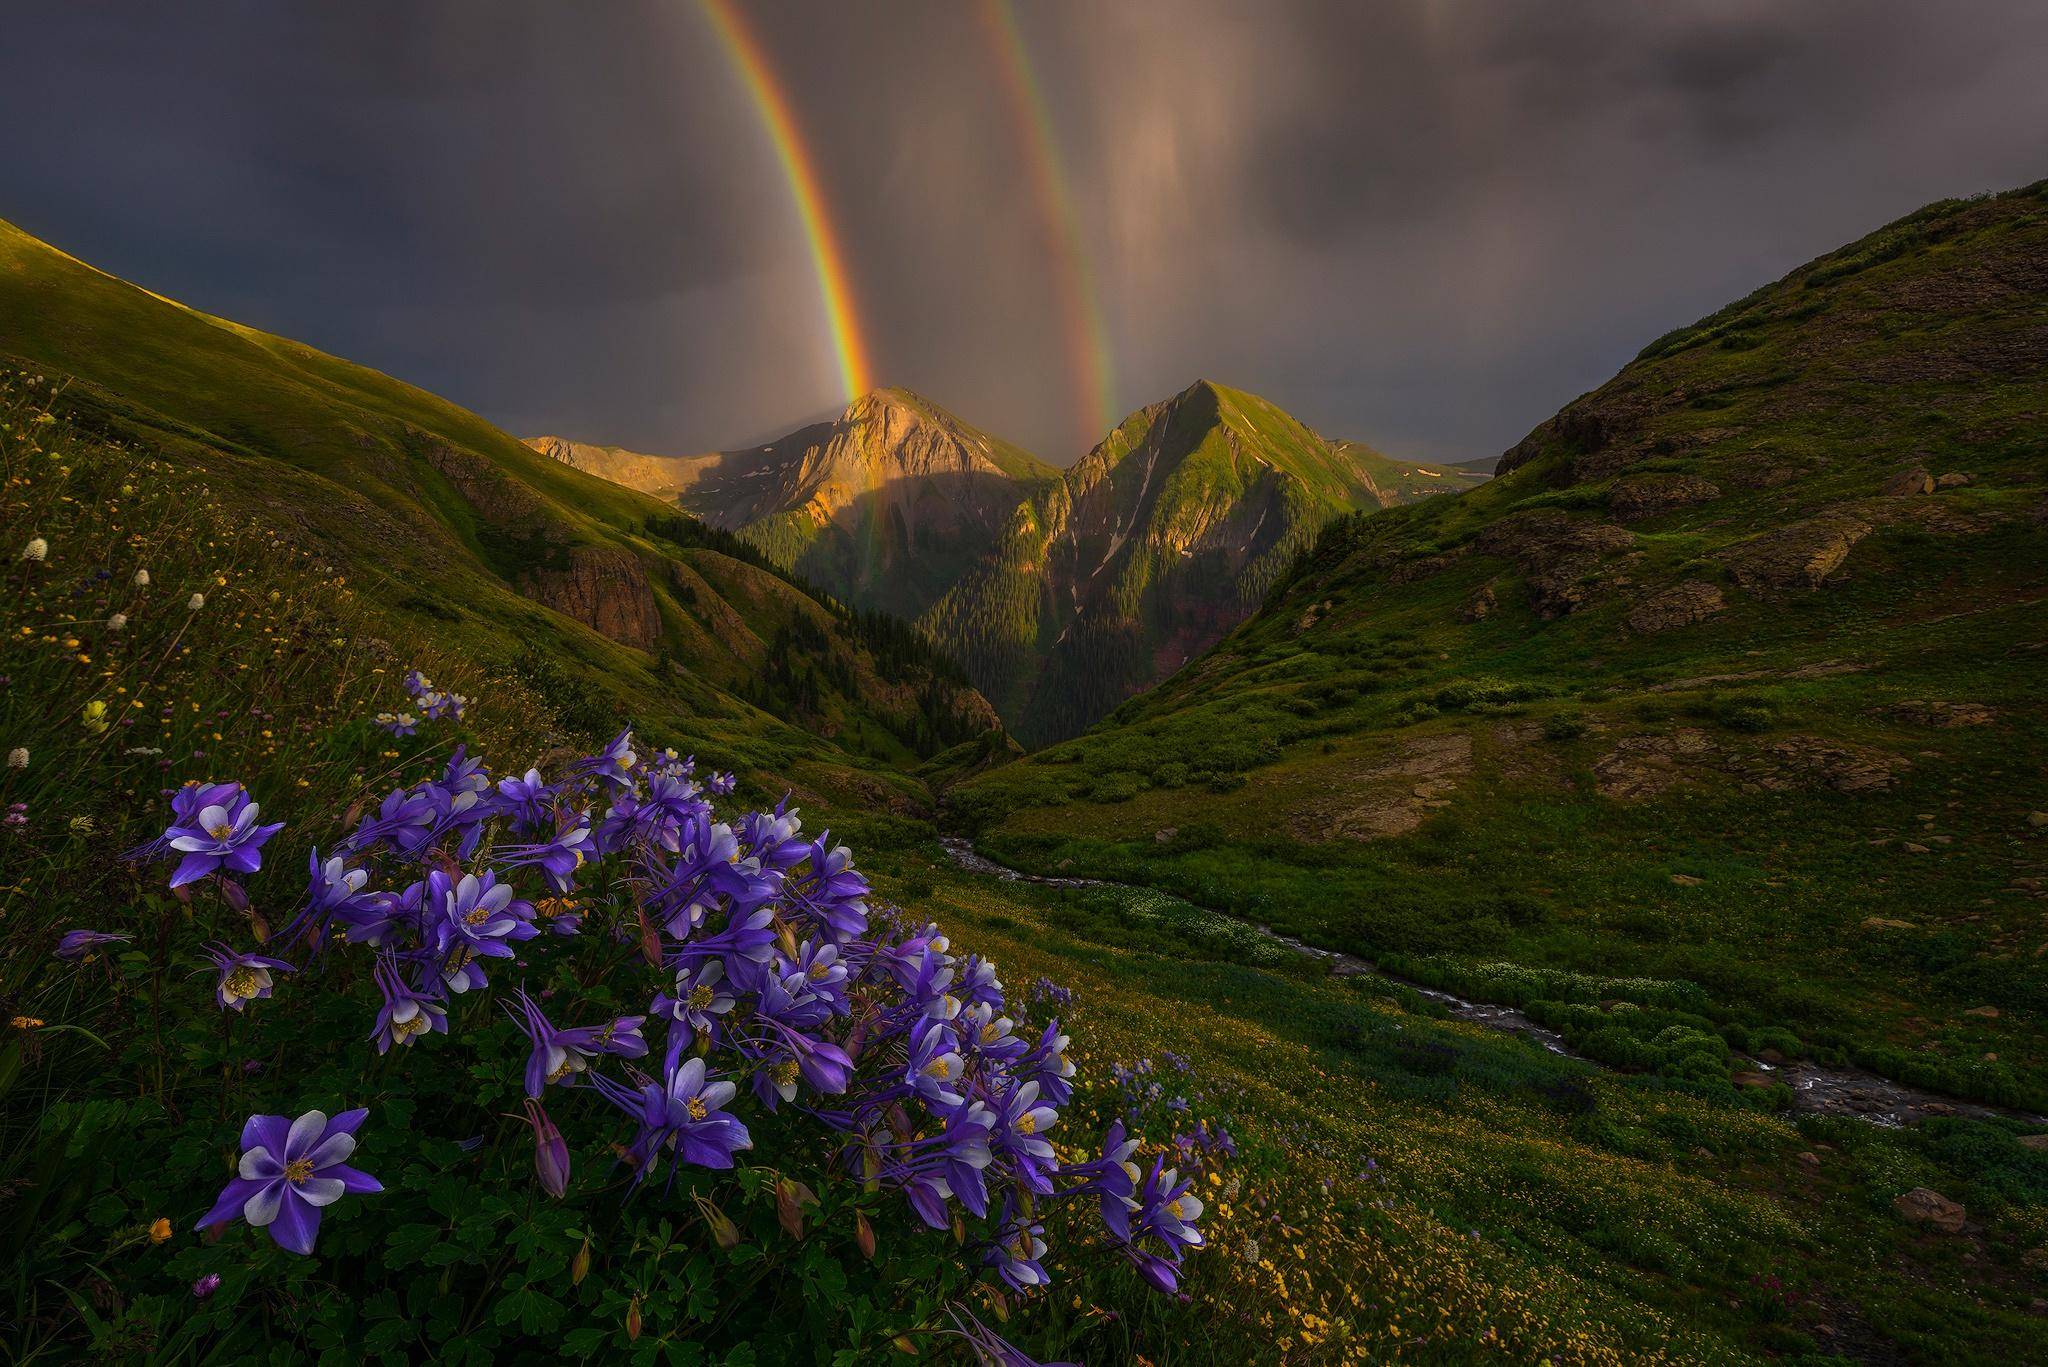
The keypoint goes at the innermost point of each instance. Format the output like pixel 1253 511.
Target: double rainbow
pixel 1087 340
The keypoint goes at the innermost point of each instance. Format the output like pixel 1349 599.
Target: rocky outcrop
pixel 1557 554
pixel 1393 793
pixel 1944 715
pixel 1639 768
pixel 1682 605
pixel 1931 1210
pixel 1915 481
pixel 1800 556
pixel 604 589
pixel 1639 496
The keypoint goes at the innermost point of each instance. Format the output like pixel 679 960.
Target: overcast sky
pixel 1422 225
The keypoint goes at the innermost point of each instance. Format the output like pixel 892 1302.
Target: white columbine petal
pixel 335 1148
pixel 305 1133
pixel 321 1191
pixel 262 1208
pixel 257 1163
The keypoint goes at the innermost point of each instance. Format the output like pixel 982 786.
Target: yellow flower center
pixel 695 1106
pixel 406 1028
pixel 1026 1124
pixel 241 982
pixel 1175 1209
pixel 298 1170
pixel 938 1067
pixel 220 832
pixel 784 1072
pixel 479 916
pixel 700 997
pixel 568 1067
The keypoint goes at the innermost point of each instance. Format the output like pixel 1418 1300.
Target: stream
pixel 1816 1089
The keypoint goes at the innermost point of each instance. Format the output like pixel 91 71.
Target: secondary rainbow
pixel 778 115
pixel 1087 339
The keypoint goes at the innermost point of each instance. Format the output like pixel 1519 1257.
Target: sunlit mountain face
pixel 713 682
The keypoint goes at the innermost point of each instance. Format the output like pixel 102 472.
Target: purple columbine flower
pixel 243 978
pixel 399 724
pixel 1015 1257
pixel 76 944
pixel 290 1171
pixel 405 1014
pixel 221 837
pixel 558 1055
pixel 475 917
pixel 694 1007
pixel 684 1114
pixel 613 764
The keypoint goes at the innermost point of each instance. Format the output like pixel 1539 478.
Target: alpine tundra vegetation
pixel 1194 886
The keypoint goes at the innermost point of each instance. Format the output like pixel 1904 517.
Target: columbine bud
pixel 579 1266
pixel 17 758
pixel 36 549
pixel 141 579
pixel 864 1236
pixel 550 1153
pixel 789 1208
pixel 633 1320
pixel 118 621
pixel 198 601
pixel 723 1230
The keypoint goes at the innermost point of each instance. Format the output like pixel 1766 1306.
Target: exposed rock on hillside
pixel 606 590
pixel 1800 556
pixel 1682 605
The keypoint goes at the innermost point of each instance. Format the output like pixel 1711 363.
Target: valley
pixel 1650 800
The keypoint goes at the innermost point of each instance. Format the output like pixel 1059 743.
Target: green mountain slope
pixel 1404 481
pixel 1061 594
pixel 1733 679
pixel 1147 551
pixel 464 534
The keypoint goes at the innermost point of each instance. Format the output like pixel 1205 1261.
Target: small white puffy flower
pixel 141 580
pixel 118 621
pixel 36 549
pixel 17 758
pixel 198 602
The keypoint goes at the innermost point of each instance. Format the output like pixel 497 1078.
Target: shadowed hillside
pixel 1733 678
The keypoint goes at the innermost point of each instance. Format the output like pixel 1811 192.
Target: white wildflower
pixel 118 621
pixel 141 580
pixel 198 602
pixel 17 758
pixel 36 549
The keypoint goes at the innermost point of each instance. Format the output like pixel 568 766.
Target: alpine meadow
pixel 1511 826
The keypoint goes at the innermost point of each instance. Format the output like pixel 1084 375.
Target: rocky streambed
pixel 1816 1089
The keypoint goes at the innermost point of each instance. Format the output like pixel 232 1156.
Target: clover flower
pixel 290 1171
pixel 205 1286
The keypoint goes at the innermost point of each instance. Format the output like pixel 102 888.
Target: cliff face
pixel 606 590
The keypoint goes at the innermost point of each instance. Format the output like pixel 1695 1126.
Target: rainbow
pixel 1087 340
pixel 750 59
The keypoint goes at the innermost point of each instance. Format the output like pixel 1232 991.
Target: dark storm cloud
pixel 1424 224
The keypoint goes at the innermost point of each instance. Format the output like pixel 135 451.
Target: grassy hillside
pixel 613 602
pixel 1404 481
pixel 1731 681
